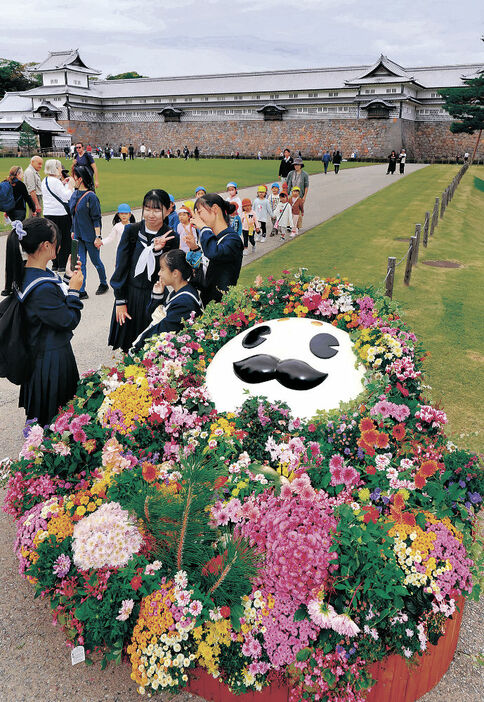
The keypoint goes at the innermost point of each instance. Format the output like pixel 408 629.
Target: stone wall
pixel 371 138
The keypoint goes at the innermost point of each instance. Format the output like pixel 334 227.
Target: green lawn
pixel 129 181
pixel 443 306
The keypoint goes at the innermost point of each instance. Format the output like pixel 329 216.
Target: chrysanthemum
pixel 344 625
pixel 321 613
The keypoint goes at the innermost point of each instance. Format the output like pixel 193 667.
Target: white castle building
pixel 369 109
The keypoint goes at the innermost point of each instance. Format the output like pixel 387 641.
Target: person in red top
pixel 297 205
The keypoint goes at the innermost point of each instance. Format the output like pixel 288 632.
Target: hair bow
pixel 17 225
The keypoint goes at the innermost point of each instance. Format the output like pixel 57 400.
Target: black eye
pixel 256 337
pixel 321 345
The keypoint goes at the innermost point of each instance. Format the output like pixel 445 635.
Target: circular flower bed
pixel 252 543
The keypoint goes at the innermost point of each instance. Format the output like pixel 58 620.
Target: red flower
pixel 428 468
pixel 149 471
pixel 420 480
pixel 312 427
pixel 370 437
pixel 382 440
pixel 366 424
pixel 220 481
pixel 398 431
pixel 371 470
pixel 171 395
pixel 371 514
pixel 403 390
pixel 398 502
pixel 136 582
pixel 225 611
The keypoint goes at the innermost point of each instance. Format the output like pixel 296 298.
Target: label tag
pixel 78 655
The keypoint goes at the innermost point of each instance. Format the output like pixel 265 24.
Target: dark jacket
pixel 224 252
pixel 86 216
pixel 22 198
pixel 285 167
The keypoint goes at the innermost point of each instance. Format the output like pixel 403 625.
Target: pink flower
pixel 62 565
pixel 321 613
pixel 195 608
pixel 344 625
pixel 125 610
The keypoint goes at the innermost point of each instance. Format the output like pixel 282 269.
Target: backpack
pixel 7 200
pixel 17 355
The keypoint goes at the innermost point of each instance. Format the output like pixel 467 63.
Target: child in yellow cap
pixel 262 210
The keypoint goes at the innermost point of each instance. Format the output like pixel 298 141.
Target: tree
pixel 15 76
pixel 128 75
pixel 27 138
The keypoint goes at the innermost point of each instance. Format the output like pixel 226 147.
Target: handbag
pixel 56 197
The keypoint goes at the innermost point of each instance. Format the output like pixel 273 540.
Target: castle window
pixel 293 95
pixel 333 94
pixel 371 91
pixel 188 99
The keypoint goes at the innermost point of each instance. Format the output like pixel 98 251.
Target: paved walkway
pixel 35 662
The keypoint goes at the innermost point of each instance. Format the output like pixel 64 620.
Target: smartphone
pixel 74 253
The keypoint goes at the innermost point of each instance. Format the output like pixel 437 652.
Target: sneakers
pixel 83 295
pixel 282 237
pixel 103 288
pixel 253 248
pixel 246 253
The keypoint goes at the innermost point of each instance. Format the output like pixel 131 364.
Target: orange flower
pixel 398 432
pixel 420 480
pixel 149 471
pixel 382 440
pixel 370 437
pixel 428 468
pixel 366 424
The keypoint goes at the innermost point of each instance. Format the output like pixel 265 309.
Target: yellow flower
pixel 81 510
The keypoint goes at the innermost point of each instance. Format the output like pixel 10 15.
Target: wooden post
pixel 442 205
pixel 408 267
pixel 435 216
pixel 418 229
pixel 390 277
pixel 426 229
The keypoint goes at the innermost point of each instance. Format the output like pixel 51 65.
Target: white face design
pixel 308 364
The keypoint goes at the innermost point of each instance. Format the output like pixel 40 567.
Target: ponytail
pixel 176 260
pixel 210 199
pixel 37 230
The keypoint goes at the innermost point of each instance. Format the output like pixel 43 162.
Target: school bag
pixel 7 200
pixel 17 355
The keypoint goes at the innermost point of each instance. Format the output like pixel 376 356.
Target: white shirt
pixel 51 205
pixel 114 234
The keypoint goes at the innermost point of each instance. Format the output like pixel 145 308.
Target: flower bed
pixel 255 545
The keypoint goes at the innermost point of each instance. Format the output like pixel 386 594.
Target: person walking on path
pixel 122 217
pixel 262 211
pixel 33 183
pixel 84 158
pixel 196 153
pixel 337 158
pixel 273 203
pixel 124 152
pixel 86 225
pixel 142 150
pixel 298 177
pixel 137 266
pixel 297 206
pixel 219 243
pixel 392 163
pixel 402 159
pixel 286 165
pixel 56 196
pixel 131 152
pixel 51 316
pixel 284 222
pixel 250 225
pixel 326 159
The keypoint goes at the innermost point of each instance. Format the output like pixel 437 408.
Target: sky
pixel 194 37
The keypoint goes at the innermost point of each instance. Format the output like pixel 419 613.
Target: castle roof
pixel 57 60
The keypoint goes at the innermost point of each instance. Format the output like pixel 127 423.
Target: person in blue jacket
pixel 173 218
pixel 170 309
pixel 86 224
pixel 326 159
pixel 52 311
pixel 137 266
pixel 219 243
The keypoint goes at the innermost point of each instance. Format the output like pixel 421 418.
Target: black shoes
pixel 83 295
pixel 103 287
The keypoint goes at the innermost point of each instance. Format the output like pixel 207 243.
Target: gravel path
pixel 34 660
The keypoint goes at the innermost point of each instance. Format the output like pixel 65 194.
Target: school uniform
pixel 131 287
pixel 170 311
pixel 224 252
pixel 86 216
pixel 52 313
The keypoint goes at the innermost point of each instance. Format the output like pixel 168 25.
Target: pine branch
pixel 224 573
pixel 183 530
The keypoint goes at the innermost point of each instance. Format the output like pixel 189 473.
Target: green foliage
pixel 466 105
pixel 14 76
pixel 124 76
pixel 27 139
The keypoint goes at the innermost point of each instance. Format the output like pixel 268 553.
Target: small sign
pixel 78 655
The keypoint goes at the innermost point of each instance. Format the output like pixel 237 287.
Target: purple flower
pixel 475 498
pixel 62 566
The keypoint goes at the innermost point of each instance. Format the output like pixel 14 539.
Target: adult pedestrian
pixel 33 183
pixel 186 152
pixel 196 153
pixel 22 199
pixel 392 162
pixel 219 243
pixel 142 150
pixel 286 165
pixel 298 178
pixel 51 315
pixel 107 153
pixel 326 159
pixel 131 152
pixel 56 195
pixel 86 224
pixel 86 159
pixel 137 267
pixel 337 158
pixel 402 159
pixel 124 152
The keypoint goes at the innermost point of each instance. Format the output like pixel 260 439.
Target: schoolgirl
pixel 219 243
pixel 137 265
pixel 171 308
pixel 86 224
pixel 273 200
pixel 283 212
pixel 122 217
pixel 185 227
pixel 233 196
pixel 262 210
pixel 52 312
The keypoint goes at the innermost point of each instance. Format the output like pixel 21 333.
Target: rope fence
pixel 422 235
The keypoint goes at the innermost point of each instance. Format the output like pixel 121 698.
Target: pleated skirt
pixel 52 384
pixel 122 336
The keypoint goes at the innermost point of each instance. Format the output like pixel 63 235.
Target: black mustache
pixel 291 373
